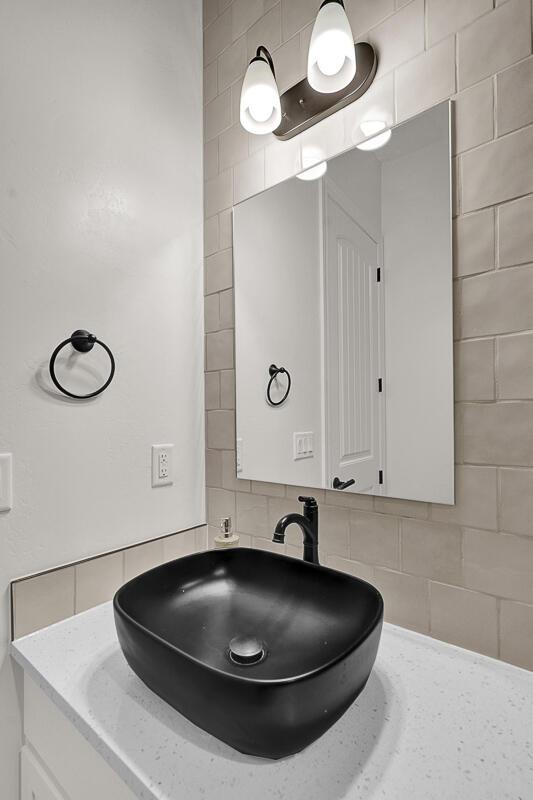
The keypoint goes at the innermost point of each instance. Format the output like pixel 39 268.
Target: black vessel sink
pixel 263 651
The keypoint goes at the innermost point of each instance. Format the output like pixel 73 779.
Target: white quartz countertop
pixel 434 721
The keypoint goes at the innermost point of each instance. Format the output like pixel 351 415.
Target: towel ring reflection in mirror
pixel 274 371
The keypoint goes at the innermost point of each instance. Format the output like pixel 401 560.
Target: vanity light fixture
pixel 339 72
pixel 260 111
pixel 331 61
pixel 376 132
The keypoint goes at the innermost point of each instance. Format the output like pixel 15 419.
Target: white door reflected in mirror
pixel 346 280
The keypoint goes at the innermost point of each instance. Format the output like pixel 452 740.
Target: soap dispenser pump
pixel 226 538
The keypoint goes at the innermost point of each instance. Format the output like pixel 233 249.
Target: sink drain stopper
pixel 246 650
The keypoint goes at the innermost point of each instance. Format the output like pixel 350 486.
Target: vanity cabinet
pixel 35 783
pixel 57 762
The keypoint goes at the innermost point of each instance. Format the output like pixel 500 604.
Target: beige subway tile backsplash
pixel 399 38
pixel 474 243
pixel 494 41
pixel 498 171
pixel 98 579
pixel 141 558
pixel 474 115
pixel 375 539
pixel 514 374
pixel 497 302
pixel 42 600
pixel 499 563
pixel 474 370
pixel 498 433
pixel 432 549
pixel 448 16
pixel 515 238
pixel 465 618
pixel 476 499
pixel 406 598
pixel 514 89
pixel 266 31
pixel 414 92
pixel 45 598
pixel 220 429
pixel 516 633
pixel 516 501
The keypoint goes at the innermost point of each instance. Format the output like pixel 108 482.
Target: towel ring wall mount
pixel 83 342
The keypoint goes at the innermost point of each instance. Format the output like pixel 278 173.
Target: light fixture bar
pixel 302 107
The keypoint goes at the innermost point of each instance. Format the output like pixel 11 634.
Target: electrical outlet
pixel 303 445
pixel 162 467
pixel 6 482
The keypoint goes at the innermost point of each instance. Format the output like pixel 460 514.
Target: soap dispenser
pixel 226 538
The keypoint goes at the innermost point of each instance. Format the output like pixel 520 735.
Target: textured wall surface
pixel 463 573
pixel 100 227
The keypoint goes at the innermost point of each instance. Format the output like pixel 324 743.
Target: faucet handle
pixel 309 501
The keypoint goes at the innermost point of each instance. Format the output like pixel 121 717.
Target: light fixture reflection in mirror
pixel 376 132
pixel 313 173
pixel 314 164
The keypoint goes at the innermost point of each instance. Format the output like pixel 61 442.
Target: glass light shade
pixel 331 59
pixel 260 104
pixel 378 133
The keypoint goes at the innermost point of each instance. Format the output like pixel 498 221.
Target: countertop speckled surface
pixel 434 723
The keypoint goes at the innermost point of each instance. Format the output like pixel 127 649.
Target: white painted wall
pixel 418 314
pixel 278 307
pixel 100 227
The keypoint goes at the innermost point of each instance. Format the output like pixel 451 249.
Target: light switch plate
pixel 303 445
pixel 6 481
pixel 162 465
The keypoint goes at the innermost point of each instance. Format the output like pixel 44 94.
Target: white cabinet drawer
pixel 35 783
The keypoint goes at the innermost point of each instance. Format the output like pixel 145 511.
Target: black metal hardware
pixel 338 484
pixel 274 371
pixel 83 342
pixel 308 522
pixel 302 106
pixel 380 384
pixel 263 54
pixel 380 476
pixel 378 275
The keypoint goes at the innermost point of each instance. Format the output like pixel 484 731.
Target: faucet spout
pixel 308 523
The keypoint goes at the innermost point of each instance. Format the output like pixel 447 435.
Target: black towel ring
pixel 274 371
pixel 83 342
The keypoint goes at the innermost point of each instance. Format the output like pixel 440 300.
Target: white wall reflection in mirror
pixel 345 281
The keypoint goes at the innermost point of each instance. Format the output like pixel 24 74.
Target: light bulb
pixel 331 60
pixel 260 110
pixel 378 133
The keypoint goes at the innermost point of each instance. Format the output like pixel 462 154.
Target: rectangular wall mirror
pixel 345 282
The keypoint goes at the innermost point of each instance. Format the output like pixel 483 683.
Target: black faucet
pixel 308 522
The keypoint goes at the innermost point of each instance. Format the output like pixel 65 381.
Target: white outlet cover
pixel 6 481
pixel 162 465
